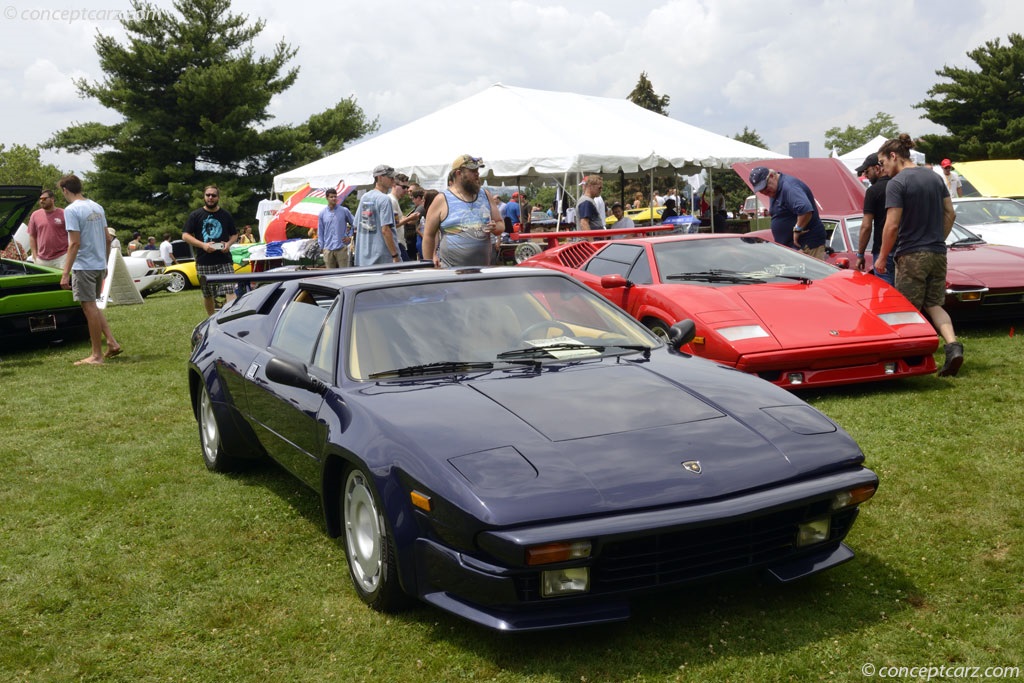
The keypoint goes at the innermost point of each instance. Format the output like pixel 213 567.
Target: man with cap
pixel 462 220
pixel 795 220
pixel 874 215
pixel 512 212
pixel 375 222
pixel 952 179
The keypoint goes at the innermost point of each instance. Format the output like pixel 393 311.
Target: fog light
pixel 564 581
pixel 814 531
pixel 795 377
pixel 890 368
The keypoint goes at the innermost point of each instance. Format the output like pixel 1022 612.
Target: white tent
pixel 522 133
pixel 856 157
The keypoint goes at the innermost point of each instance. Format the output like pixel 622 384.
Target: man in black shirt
pixel 874 215
pixel 211 232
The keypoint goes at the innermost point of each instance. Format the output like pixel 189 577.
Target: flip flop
pixel 88 361
pixel 113 352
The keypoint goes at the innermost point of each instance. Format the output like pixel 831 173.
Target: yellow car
pixel 183 275
pixel 640 216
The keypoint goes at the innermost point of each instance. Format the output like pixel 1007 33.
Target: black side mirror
pixel 294 374
pixel 681 333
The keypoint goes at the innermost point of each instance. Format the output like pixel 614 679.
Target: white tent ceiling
pixel 522 133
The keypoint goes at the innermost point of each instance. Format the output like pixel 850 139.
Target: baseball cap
pixel 946 163
pixel 466 161
pixel 384 169
pixel 515 195
pixel 759 178
pixel 871 160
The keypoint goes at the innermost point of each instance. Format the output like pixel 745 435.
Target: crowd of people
pixel 908 212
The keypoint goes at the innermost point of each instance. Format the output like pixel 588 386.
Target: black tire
pixel 178 283
pixel 210 441
pixel 369 547
pixel 659 329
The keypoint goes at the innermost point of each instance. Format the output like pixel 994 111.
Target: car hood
pixel 1007 233
pixel 16 204
pixel 837 319
pixel 986 264
pixel 610 436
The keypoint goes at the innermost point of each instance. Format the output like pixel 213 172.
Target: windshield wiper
pixel 441 366
pixel 967 241
pixel 713 276
pixel 543 351
pixel 802 279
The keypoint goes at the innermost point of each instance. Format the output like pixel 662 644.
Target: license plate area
pixel 42 323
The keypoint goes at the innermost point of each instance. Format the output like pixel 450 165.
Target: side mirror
pixel 614 282
pixel 293 374
pixel 682 333
pixel 841 262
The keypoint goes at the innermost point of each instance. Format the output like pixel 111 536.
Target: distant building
pixel 800 150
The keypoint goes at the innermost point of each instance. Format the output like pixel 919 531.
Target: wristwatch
pixel 860 254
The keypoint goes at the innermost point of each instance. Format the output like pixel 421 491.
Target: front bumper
pixel 637 553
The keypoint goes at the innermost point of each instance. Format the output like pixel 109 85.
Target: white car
pixel 994 219
pixel 147 271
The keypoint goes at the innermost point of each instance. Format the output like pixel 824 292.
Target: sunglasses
pixel 212 195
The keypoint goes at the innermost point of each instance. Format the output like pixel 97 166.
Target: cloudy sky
pixel 787 69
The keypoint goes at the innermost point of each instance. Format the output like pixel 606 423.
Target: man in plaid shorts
pixel 211 232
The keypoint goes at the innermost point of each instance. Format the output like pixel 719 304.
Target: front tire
pixel 178 282
pixel 210 437
pixel 659 329
pixel 368 545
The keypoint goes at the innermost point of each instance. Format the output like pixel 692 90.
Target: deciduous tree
pixel 852 137
pixel 21 165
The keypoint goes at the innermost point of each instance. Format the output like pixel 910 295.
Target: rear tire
pixel 368 545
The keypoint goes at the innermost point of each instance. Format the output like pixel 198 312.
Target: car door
pixel 285 417
pixel 628 260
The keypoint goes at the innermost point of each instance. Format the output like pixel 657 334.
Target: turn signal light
pixel 420 500
pixel 550 553
pixel 853 496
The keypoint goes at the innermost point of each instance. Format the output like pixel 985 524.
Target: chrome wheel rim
pixel 177 283
pixel 363 538
pixel 208 428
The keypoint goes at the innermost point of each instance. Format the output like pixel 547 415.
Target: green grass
pixel 123 559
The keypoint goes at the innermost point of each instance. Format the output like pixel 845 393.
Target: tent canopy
pixel 994 178
pixel 856 157
pixel 836 190
pixel 544 134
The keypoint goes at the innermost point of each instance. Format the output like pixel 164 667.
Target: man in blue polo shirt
pixel 795 219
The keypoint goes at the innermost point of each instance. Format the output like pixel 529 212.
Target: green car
pixel 33 307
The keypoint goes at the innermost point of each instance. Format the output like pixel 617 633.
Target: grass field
pixel 123 559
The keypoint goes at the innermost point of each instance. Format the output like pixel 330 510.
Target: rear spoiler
pixel 284 275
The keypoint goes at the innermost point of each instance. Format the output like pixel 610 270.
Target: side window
pixel 853 226
pixel 641 273
pixel 836 242
pixel 299 328
pixel 615 259
pixel 325 356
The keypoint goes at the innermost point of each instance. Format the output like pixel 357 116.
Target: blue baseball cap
pixel 759 178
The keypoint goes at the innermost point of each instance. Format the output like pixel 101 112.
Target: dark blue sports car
pixel 511 447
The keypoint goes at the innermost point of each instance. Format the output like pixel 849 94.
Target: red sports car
pixel 758 306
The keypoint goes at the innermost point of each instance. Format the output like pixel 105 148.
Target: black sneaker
pixel 954 359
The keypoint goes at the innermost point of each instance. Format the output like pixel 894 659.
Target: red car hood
pixel 986 265
pixel 847 321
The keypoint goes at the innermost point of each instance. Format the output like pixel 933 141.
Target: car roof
pixel 400 276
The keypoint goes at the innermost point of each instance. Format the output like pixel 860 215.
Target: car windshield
pixel 741 260
pixel 961 236
pixel 978 212
pixel 479 324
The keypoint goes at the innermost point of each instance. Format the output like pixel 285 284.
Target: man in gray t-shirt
pixel 375 222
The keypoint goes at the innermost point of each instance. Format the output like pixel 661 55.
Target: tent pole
pixel 711 209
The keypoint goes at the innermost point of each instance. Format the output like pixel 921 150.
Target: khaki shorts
pixel 921 277
pixel 86 285
pixel 816 252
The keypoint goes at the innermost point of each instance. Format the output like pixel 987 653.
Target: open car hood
pixel 16 203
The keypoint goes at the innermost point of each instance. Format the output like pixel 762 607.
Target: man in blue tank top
pixel 463 221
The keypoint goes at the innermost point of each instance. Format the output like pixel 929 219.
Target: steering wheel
pixel 545 325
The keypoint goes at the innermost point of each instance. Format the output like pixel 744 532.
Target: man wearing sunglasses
pixel 463 220
pixel 874 215
pixel 211 232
